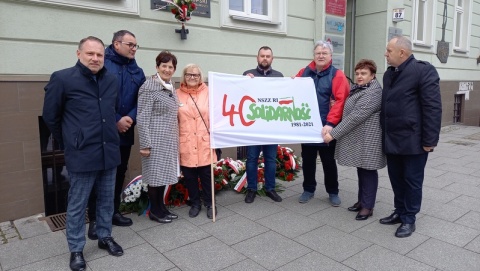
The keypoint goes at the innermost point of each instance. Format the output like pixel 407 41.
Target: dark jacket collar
pixel 264 72
pixel 87 72
pixel 112 55
pixel 402 66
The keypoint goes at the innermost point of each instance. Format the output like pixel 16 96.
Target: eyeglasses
pixel 130 45
pixel 322 54
pixel 192 75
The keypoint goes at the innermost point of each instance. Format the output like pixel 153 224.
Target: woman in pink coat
pixel 193 123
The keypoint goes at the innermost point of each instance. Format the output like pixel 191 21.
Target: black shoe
pixel 159 219
pixel 194 211
pixel 364 214
pixel 355 208
pixel 210 212
pixel 405 230
pixel 92 230
pixel 274 196
pixel 77 262
pixel 250 197
pixel 392 219
pixel 172 216
pixel 119 220
pixel 111 246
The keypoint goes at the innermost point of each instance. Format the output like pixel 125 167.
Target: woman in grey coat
pixel 359 136
pixel 158 134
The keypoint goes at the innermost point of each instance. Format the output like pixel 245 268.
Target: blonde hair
pixel 192 66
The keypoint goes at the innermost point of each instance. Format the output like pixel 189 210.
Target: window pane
pixel 421 20
pixel 236 5
pixel 260 7
pixel 460 3
pixel 458 31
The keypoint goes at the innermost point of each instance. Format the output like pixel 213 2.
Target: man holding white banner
pixel 330 84
pixel 264 69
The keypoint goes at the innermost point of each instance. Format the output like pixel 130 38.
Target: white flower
pixel 137 193
pixel 126 199
pixel 262 165
pixel 127 191
pixel 233 175
pixel 132 198
pixel 259 185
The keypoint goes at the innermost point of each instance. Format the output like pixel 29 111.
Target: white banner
pixel 262 110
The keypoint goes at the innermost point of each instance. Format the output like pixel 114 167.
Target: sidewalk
pixel 288 235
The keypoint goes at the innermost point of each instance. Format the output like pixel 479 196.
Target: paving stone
pixel 57 263
pixel 245 265
pixel 333 243
pixel 464 189
pixel 446 256
pixel 339 218
pixel 474 245
pixel 470 219
pixel 290 224
pixel 314 261
pixel 256 209
pixel 384 236
pixel 206 254
pixel 313 206
pixel 31 226
pixel 451 177
pixel 442 211
pixel 376 258
pixel 452 233
pixel 439 195
pixel 202 218
pixel 466 202
pixel 271 250
pixel 234 229
pixel 229 197
pixel 44 246
pixel 142 257
pixel 173 235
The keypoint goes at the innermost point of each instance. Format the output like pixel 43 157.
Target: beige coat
pixel 194 136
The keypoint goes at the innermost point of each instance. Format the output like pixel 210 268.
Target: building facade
pixel 38 37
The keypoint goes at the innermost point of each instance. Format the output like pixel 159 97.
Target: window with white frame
pixel 461 25
pixel 256 15
pixel 423 22
pixel 117 6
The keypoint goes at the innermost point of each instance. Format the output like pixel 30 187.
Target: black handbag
pixel 218 152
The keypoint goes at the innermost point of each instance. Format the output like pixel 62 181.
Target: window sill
pixel 249 19
pixel 423 45
pixel 460 51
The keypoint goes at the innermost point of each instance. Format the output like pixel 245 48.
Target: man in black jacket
pixel 411 119
pixel 264 69
pixel 120 61
pixel 79 110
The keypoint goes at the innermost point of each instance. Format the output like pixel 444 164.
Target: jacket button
pixel 103 120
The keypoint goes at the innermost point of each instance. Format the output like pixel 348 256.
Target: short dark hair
pixel 265 48
pixel 92 38
pixel 366 64
pixel 117 36
pixel 166 56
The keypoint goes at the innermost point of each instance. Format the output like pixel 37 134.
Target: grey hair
pixel 193 66
pixel 323 44
pixel 403 42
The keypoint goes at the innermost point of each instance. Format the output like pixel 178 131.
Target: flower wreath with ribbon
pixel 182 9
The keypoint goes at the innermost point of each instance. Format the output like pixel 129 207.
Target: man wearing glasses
pixel 120 61
pixel 330 84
